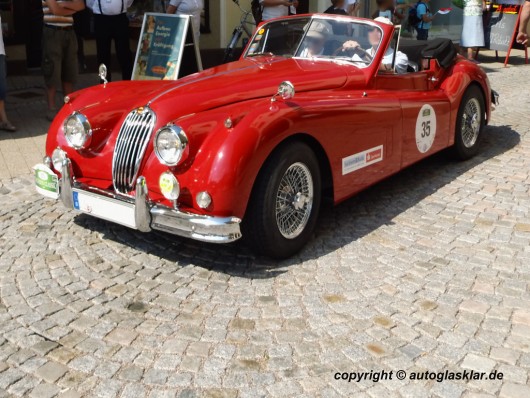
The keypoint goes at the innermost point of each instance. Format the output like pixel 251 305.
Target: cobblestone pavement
pixel 427 271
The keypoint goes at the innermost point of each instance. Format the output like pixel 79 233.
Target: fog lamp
pixel 169 186
pixel 58 157
pixel 203 199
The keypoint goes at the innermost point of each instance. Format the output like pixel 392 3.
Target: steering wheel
pixel 351 51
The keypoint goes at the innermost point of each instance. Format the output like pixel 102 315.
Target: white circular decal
pixel 425 128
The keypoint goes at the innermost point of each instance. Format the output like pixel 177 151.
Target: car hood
pixel 250 79
pixel 222 85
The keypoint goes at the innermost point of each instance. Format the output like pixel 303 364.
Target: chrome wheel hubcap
pixel 471 122
pixel 294 200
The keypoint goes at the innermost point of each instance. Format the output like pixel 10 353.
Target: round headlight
pixel 77 131
pixel 169 186
pixel 171 144
pixel 58 156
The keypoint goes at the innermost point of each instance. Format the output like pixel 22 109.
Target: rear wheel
pixel 285 202
pixel 469 124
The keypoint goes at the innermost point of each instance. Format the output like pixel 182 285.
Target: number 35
pixel 426 126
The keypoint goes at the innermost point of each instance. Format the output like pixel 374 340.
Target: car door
pixel 426 122
pixel 425 112
pixel 361 133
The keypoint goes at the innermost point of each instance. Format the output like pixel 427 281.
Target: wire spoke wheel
pixel 294 200
pixel 285 202
pixel 471 122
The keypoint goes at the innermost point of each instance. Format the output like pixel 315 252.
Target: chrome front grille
pixel 130 148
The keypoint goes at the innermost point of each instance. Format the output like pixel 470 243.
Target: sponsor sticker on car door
pixel 362 159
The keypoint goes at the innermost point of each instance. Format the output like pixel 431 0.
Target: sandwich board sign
pixel 500 30
pixel 167 48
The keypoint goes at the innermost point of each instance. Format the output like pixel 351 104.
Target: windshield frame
pixel 311 18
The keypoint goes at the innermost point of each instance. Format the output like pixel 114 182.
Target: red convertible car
pixel 233 152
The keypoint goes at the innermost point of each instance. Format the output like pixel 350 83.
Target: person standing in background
pixel 59 48
pixel 522 35
pixel 278 8
pixel 5 124
pixel 111 23
pixel 188 7
pixel 426 18
pixel 337 8
pixel 352 7
pixel 82 29
pixel 472 27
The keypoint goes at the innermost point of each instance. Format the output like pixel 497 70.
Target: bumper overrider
pixel 138 212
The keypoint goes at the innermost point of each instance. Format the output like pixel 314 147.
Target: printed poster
pixel 161 47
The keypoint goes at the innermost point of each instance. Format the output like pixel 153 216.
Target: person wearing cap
pixel 352 7
pixel 316 39
pixel 374 38
pixel 277 8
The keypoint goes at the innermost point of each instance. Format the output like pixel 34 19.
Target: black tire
pixel 469 124
pixel 261 227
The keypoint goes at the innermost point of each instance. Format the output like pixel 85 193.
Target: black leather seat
pixel 443 50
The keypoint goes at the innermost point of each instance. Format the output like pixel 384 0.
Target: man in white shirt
pixel 278 8
pixel 188 7
pixel 111 23
pixel 374 38
pixel 352 7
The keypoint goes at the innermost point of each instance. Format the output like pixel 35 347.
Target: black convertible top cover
pixel 443 50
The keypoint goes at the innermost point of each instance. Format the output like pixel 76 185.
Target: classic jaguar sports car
pixel 232 152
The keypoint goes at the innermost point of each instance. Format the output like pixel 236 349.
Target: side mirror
pixel 285 91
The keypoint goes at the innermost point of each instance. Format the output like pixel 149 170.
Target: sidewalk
pixel 26 108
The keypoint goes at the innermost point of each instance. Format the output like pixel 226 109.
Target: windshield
pixel 341 39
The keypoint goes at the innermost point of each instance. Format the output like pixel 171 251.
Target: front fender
pixel 229 158
pixel 463 74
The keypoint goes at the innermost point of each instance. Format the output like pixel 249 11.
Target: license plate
pixel 108 209
pixel 46 181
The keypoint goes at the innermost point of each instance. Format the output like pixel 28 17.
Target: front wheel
pixel 285 202
pixel 469 124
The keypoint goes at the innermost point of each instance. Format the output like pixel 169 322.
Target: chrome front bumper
pixel 148 216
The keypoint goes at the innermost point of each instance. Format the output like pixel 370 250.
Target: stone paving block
pixel 44 390
pixel 51 371
pixel 426 270
pixel 512 390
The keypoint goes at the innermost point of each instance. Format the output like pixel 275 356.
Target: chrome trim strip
pixel 131 144
pixel 203 228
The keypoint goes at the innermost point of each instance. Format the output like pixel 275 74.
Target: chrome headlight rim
pixel 182 138
pixel 83 120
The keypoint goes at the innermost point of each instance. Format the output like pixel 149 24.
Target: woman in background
pixel 188 7
pixel 472 28
pixel 5 124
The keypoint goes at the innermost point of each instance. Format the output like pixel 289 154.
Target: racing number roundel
pixel 425 128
